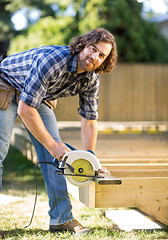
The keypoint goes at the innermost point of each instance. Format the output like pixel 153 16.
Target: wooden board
pixel 148 194
pixel 132 219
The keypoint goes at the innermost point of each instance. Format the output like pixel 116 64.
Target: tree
pixel 138 40
pixel 48 31
pixel 5 26
pixel 7 8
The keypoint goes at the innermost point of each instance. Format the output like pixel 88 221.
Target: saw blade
pixel 81 167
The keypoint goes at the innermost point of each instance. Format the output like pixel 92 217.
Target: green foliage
pixel 48 31
pixel 91 16
pixel 138 40
pixel 155 44
pixel 5 23
pixel 8 7
pixel 6 28
pixel 14 5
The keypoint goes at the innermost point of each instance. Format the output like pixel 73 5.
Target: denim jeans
pixel 59 202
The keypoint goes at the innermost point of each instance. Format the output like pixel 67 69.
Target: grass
pixel 18 180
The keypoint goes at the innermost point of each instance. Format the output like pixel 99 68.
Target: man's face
pixel 92 56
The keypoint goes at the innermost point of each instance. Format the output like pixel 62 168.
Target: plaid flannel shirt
pixel 49 73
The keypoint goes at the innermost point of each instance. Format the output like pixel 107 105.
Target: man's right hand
pixel 59 150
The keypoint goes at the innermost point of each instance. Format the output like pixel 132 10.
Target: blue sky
pixel 158 6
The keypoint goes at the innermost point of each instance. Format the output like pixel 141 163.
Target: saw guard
pixel 77 155
pixel 74 155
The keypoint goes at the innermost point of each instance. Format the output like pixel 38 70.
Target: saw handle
pixel 72 148
pixel 91 152
pixel 61 163
pixel 55 161
pixel 69 146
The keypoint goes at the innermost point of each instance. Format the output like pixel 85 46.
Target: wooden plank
pixel 131 192
pixel 150 88
pixel 119 160
pixel 157 204
pixel 139 173
pixel 138 97
pixel 162 96
pixel 132 219
pixel 87 195
pixel 127 166
pixel 105 94
pixel 149 195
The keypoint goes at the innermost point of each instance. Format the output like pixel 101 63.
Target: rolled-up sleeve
pixel 88 100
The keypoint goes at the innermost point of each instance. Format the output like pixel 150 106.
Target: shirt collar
pixel 72 66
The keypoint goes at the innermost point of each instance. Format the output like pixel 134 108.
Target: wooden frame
pixel 144 186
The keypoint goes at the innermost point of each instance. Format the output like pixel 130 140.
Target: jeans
pixel 59 202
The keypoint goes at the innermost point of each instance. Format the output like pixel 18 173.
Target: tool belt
pixel 51 104
pixel 7 93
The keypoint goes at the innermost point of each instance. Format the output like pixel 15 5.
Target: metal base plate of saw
pixel 82 167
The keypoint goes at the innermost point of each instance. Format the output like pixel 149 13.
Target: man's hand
pixel 104 170
pixel 59 151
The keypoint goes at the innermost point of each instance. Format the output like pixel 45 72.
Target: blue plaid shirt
pixel 48 73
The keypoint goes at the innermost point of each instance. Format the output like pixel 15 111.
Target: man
pixel 44 74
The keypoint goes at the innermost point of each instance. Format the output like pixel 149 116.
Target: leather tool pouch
pixel 7 93
pixel 51 104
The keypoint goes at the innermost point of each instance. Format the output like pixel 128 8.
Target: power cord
pixel 35 200
pixel 59 171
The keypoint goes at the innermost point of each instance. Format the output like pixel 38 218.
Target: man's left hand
pixel 104 170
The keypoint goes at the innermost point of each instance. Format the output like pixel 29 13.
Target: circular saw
pixel 80 167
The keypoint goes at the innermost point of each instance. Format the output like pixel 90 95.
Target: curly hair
pixel 95 36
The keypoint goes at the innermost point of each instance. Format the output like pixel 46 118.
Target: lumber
pixel 148 195
pixel 134 166
pixel 143 173
pixel 122 160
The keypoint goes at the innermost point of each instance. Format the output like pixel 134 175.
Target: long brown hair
pixel 95 36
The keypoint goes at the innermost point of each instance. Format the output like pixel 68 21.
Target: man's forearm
pixel 88 134
pixel 34 123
